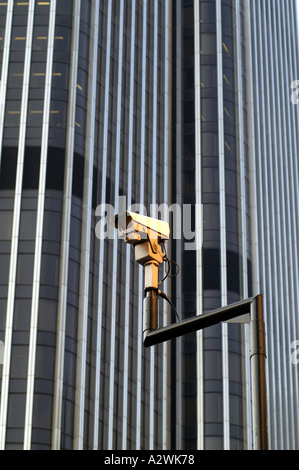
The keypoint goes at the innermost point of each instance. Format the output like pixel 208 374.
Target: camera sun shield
pixel 135 228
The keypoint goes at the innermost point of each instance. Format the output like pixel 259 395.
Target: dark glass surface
pixel 8 168
pixel 31 168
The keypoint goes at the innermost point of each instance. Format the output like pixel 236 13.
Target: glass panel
pixel 188 16
pixel 18 38
pixel 58 114
pixel 8 167
pixel 208 76
pixel 35 113
pixel 27 225
pixel 45 360
pixel 4 263
pixel 19 362
pixel 49 270
pixel 209 144
pixel 12 114
pixel 40 38
pixel 62 38
pixel 47 316
pixel 188 112
pixel 64 7
pixel 37 79
pixel 16 410
pixel 42 411
pixel 15 75
pixel 60 75
pixel 210 180
pixel 188 46
pixel 207 12
pixel 208 44
pixel 25 269
pixel 209 110
pixel 5 225
pixel 213 407
pixel 31 168
pixel 22 314
pixel 52 226
pixel 211 280
pixel 2 318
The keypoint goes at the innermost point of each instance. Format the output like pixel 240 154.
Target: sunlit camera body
pixel 145 234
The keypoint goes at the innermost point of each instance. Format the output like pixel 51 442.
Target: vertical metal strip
pixel 199 227
pixel 166 199
pixel 267 229
pixel 283 223
pixel 260 213
pixel 290 239
pixel 252 204
pixel 128 250
pixel 115 241
pixel 293 12
pixel 276 205
pixel 178 182
pixel 152 413
pixel 39 229
pixel 5 64
pixel 250 38
pixel 140 277
pixel 17 208
pixel 15 234
pixel 274 169
pixel 223 274
pixel 86 228
pixel 242 133
pixel 65 232
pixel 102 241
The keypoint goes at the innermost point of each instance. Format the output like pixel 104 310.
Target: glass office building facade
pixel 139 103
pixel 212 170
pixel 276 131
pixel 85 87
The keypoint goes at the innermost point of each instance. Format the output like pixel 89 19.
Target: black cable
pixel 167 269
pixel 164 296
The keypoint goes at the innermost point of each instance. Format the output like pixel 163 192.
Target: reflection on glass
pixel 208 44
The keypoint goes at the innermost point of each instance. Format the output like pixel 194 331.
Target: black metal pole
pixel 258 371
pixel 199 322
pixel 252 306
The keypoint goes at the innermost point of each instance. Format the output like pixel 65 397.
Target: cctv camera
pixel 135 228
pixel 145 234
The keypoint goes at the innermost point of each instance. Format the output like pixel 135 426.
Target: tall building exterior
pixel 276 126
pixel 85 88
pixel 145 104
pixel 214 158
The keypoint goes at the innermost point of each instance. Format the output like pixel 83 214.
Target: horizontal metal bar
pixel 198 322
